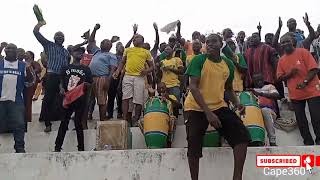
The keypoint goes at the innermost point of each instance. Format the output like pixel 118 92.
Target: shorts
pixel 133 87
pixel 232 129
pixel 100 89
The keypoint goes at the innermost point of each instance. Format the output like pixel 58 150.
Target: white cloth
pixel 269 89
pixel 169 27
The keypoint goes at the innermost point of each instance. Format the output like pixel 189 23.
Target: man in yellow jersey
pixel 171 68
pixel 211 77
pixel 240 67
pixel 133 84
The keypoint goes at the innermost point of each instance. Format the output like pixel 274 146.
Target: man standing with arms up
pixel 57 58
pixel 205 105
pixel 133 84
pixel 102 67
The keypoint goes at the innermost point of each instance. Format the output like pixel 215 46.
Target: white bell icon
pixel 307 161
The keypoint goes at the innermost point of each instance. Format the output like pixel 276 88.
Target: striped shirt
pixel 57 55
pixel 12 80
pixel 259 60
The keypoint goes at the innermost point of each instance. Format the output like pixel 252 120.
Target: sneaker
pixel 57 150
pixel 47 129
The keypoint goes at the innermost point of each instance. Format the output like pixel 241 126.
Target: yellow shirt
pixel 189 59
pixel 213 76
pixel 136 59
pixel 237 81
pixel 169 78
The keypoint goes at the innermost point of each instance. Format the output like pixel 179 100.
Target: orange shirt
pixel 188 47
pixel 304 62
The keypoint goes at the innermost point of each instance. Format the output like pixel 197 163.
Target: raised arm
pixel 259 27
pixel 92 39
pixel 276 37
pixel 155 48
pixel 178 34
pixel 38 35
pixel 79 45
pixel 312 35
pixel 135 29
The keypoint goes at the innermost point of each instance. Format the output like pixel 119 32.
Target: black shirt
pixel 74 75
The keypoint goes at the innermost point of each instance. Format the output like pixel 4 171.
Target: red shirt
pixel 86 59
pixel 304 62
pixel 259 61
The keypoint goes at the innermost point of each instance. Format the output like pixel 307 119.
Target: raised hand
pixel 259 27
pixel 86 35
pixel 306 19
pixel 115 39
pixel 280 22
pixel 155 26
pixel 179 24
pixel 135 28
pixel 97 26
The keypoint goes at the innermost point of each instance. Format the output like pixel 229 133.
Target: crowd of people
pixel 202 76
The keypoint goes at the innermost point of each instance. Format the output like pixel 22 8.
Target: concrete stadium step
pixel 44 142
pixel 169 164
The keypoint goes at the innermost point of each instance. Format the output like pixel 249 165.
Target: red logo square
pixel 307 160
pixel 317 161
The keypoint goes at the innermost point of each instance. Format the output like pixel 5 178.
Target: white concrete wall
pixel 44 142
pixel 164 164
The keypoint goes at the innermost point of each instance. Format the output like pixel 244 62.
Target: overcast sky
pixel 73 17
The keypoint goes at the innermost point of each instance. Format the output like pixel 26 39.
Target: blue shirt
pixel 299 38
pixel 101 62
pixel 57 55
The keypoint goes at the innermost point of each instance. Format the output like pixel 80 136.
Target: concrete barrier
pixel 44 142
pixel 168 164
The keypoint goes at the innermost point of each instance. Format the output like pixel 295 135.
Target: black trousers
pixel 299 109
pixel 112 94
pixel 78 107
pixel 48 108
